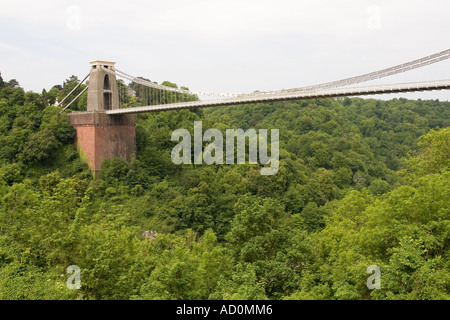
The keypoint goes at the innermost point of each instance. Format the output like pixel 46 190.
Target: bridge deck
pixel 295 95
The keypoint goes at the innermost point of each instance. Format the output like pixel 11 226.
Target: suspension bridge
pixel 107 128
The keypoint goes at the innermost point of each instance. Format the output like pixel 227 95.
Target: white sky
pixel 224 46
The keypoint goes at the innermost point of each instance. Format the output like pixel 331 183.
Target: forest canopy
pixel 361 182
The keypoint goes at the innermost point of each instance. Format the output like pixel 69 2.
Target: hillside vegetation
pixel 361 182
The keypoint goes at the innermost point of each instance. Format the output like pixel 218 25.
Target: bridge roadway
pixel 291 95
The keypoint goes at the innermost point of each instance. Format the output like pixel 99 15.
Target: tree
pixel 183 267
pixel 68 85
pixel 435 156
pixel 58 124
pixel 261 235
pixel 379 186
pixel 40 146
pixel 114 170
pixel 313 217
pixel 242 285
pixel 50 96
pixel 13 83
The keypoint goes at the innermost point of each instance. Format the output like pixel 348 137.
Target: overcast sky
pixel 224 46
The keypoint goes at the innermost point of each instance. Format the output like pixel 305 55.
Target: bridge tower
pixel 102 91
pixel 101 136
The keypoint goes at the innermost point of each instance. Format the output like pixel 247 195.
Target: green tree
pixel 184 268
pixel 242 285
pixel 58 124
pixel 40 146
pixel 435 156
pixel 261 234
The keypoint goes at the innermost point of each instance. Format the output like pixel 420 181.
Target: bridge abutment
pixel 100 136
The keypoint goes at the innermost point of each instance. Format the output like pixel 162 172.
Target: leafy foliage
pixel 361 182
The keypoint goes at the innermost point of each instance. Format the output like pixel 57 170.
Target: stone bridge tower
pixel 102 92
pixel 99 135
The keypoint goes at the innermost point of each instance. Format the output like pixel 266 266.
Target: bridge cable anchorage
pixel 79 83
pixel 78 95
pixel 297 95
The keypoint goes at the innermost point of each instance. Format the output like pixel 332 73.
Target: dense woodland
pixel 361 182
